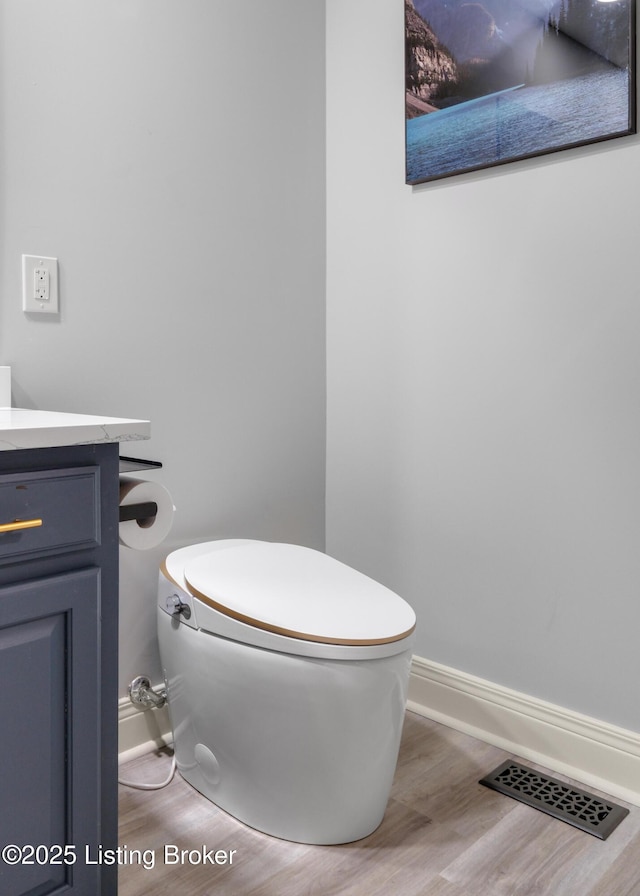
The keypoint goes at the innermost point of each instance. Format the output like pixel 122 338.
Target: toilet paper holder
pixel 147 509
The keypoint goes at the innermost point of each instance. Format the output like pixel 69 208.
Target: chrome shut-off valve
pixel 142 694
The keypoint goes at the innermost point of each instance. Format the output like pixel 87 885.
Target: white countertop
pixel 22 428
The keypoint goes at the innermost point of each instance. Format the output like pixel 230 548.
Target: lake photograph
pixel 492 82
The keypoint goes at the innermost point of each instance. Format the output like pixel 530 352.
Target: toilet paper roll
pixel 140 535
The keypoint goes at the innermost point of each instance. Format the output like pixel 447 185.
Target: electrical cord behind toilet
pixel 141 786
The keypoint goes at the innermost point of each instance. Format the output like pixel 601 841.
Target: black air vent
pixel 577 807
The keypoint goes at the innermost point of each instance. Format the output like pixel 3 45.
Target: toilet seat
pixel 299 593
pixel 198 561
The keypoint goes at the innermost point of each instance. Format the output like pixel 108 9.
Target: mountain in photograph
pixel 462 56
pixel 482 30
pixel 495 45
pixel 429 66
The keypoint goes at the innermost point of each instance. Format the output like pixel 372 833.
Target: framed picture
pixel 493 81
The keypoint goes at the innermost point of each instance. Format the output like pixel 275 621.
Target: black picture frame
pixel 496 81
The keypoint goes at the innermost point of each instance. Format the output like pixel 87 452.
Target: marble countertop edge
pixel 22 428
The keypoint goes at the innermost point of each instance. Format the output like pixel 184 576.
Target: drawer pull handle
pixel 17 525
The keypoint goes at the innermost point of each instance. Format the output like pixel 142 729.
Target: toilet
pixel 286 675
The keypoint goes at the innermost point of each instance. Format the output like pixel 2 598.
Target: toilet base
pixel 299 748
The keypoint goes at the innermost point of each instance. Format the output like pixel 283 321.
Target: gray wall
pixel 483 390
pixel 171 155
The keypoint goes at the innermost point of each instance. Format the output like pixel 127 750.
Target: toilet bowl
pixel 286 674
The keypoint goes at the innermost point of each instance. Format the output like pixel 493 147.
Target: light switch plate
pixel 40 284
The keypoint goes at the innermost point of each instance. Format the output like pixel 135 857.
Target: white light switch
pixel 39 284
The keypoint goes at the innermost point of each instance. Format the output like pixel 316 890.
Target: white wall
pixel 483 376
pixel 171 155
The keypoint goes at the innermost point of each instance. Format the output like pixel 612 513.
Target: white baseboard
pixel 141 731
pixel 589 751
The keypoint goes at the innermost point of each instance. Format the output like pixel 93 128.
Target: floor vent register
pixel 577 807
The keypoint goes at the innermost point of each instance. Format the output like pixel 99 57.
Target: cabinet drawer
pixel 61 506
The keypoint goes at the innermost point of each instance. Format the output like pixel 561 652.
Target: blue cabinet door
pixel 50 734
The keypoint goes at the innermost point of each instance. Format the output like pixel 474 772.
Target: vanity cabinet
pixel 58 669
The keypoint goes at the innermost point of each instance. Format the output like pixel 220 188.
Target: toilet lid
pixel 299 592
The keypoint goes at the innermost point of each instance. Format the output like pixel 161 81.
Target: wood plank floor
pixel 443 835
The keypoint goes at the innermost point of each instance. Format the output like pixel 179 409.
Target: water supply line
pixel 142 694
